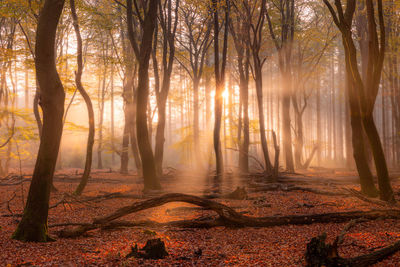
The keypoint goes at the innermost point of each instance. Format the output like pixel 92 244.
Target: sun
pixel 225 95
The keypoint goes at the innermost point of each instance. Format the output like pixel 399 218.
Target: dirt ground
pixel 220 246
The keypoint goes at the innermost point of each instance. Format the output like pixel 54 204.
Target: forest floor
pixel 220 246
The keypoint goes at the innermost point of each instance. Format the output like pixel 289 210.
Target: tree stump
pixel 321 254
pixel 154 249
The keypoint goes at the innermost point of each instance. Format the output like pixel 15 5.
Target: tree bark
pixel 227 215
pixel 168 21
pixel 365 92
pixel 33 225
pixel 219 85
pixel 102 95
pixel 260 104
pixel 244 97
pixel 88 102
pixel 143 53
pixel 357 137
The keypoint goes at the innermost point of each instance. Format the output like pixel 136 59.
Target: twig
pixel 339 239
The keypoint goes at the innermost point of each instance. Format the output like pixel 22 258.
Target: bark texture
pixel 33 225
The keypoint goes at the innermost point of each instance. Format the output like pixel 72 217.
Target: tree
pixel 308 55
pixel 239 29
pixel 142 53
pixel 168 18
pixel 88 102
pixel 284 46
pixel 129 65
pixel 362 95
pixel 195 42
pixel 33 225
pixel 219 70
pixel 255 40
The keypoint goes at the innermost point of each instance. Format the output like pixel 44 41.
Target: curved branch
pixel 229 217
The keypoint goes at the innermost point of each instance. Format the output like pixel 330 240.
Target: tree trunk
pixel 286 122
pixel 101 110
pixel 88 102
pixel 385 189
pixel 244 99
pixel 33 225
pixel 196 121
pixel 160 138
pixel 128 113
pixel 219 86
pixel 132 129
pixel 168 27
pixel 36 110
pixel 146 154
pixel 26 85
pixel 318 105
pixel 112 112
pixel 125 145
pixel 366 178
pixel 260 104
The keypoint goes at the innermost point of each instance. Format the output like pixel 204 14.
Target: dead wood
pixel 339 239
pixel 72 199
pixel 287 188
pixel 378 202
pixel 115 195
pixel 199 223
pixel 229 217
pixel 20 181
pixel 321 254
pixel 178 210
pixel 66 179
pixel 154 249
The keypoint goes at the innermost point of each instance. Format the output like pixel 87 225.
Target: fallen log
pixel 230 217
pixel 115 195
pixel 288 188
pixel 199 223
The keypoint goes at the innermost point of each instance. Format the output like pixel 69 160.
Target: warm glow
pixel 225 95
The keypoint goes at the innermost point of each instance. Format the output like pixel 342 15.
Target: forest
pixel 200 133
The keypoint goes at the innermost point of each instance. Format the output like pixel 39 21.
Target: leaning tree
pixel 33 225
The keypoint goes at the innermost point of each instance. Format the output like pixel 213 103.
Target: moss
pixel 28 231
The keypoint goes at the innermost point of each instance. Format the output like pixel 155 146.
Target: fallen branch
pixel 115 195
pixel 74 199
pixel 378 202
pixel 229 217
pixel 287 188
pixel 339 239
pixel 16 183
